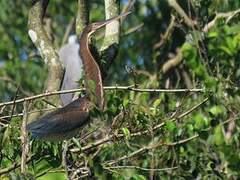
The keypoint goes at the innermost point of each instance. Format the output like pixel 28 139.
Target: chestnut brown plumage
pixel 62 123
pixel 65 122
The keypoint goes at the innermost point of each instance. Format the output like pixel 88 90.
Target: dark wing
pixel 61 122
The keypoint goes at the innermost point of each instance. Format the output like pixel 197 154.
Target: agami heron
pixel 65 122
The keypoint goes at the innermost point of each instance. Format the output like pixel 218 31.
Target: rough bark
pixel 40 39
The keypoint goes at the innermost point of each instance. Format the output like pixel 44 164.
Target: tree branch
pixel 146 149
pixel 171 63
pixel 167 34
pixel 24 138
pixel 110 44
pixel 181 12
pixel 82 16
pixel 227 15
pixel 15 165
pixel 116 88
pixel 112 33
pixel 40 39
pixel 141 168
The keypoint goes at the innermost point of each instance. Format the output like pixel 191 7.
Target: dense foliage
pixel 194 134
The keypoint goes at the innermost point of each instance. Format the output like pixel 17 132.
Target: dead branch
pixel 227 15
pixel 167 34
pixel 171 63
pixel 181 12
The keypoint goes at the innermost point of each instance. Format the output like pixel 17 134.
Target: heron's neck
pixel 85 52
pixel 92 71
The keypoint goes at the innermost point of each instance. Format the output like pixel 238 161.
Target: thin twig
pixel 141 168
pixel 145 149
pixel 4 125
pixel 117 88
pixel 133 29
pixel 236 116
pixel 67 31
pixel 182 13
pixel 227 15
pixel 167 34
pixel 15 97
pixel 24 138
pixel 21 114
pixel 64 158
pixel 128 7
pixel 182 141
pixel 193 108
pixel 13 166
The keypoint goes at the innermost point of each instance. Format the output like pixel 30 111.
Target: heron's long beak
pixel 103 23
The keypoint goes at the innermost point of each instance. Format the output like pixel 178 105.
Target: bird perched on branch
pixel 65 122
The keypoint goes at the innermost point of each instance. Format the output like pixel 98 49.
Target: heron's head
pixel 93 27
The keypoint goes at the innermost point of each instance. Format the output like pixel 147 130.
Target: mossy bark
pixel 40 39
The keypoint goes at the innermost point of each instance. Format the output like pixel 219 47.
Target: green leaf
pixel 157 102
pixel 171 126
pixel 126 102
pixel 6 137
pixel 138 177
pixel 77 142
pixel 226 50
pixel 216 110
pixel 211 83
pixel 91 85
pixel 200 121
pixel 212 34
pixel 126 133
pixel 218 136
pixel 56 175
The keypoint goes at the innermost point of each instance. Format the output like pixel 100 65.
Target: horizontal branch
pixel 183 141
pixel 21 114
pixel 141 168
pixel 117 88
